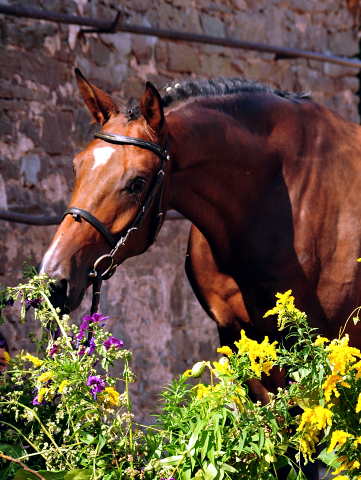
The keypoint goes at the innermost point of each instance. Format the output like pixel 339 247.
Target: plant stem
pixel 25 438
pixel 56 316
pixel 45 431
pixel 11 459
pixel 129 411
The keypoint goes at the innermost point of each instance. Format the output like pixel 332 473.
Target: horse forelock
pixel 203 88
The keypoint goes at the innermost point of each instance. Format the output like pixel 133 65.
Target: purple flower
pixel 92 346
pixel 34 302
pixel 96 384
pixel 82 329
pixel 56 333
pixel 35 400
pixel 9 301
pixel 2 343
pixel 113 341
pixel 95 363
pixel 96 317
pixel 53 350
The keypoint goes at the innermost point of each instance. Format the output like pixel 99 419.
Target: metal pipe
pixel 112 27
pixel 56 220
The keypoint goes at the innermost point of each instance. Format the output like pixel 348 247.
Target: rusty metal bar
pixel 56 220
pixel 112 27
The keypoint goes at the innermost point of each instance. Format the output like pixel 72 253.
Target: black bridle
pixel 116 245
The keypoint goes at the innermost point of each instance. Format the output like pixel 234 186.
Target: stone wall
pixel 43 123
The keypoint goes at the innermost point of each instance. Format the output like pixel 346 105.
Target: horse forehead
pixel 101 156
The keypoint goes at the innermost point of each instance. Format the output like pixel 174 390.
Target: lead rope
pixel 97 285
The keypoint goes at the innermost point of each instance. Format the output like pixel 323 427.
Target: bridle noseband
pixel 116 245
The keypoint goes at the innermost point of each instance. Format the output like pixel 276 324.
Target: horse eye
pixel 138 185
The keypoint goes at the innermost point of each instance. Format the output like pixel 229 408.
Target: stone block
pixel 8 168
pixel 251 27
pixel 29 36
pixel 182 58
pixel 30 167
pixel 3 197
pixel 30 129
pixel 38 68
pixel 257 69
pixel 57 127
pixel 343 43
pixel 99 53
pixel 216 67
pixel 141 48
pixel 6 126
pixel 212 26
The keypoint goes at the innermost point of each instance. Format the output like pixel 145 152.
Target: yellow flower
pixel 7 358
pixel 36 361
pixel 111 397
pixel 343 466
pixel 308 443
pixel 285 309
pixel 41 394
pixel 63 384
pixel 320 341
pixel 329 386
pixel 203 391
pixel 357 441
pixel 358 406
pixel 46 376
pixel 353 465
pixel 221 369
pixel 187 373
pixel 317 417
pixel 260 354
pixel 225 350
pixel 341 355
pixel 338 437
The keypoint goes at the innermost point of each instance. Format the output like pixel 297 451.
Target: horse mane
pixel 203 87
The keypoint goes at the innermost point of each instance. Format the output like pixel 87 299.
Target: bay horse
pixel 269 180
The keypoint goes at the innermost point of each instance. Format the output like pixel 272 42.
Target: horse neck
pixel 218 170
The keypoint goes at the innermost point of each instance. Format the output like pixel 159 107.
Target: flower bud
pixel 198 369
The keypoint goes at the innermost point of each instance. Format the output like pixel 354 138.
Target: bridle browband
pixel 116 245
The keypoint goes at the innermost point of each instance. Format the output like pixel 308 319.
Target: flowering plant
pixel 60 409
pixel 61 415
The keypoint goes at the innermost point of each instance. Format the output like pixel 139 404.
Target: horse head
pixel 116 180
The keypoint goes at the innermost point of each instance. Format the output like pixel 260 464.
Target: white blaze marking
pixel 48 255
pixel 102 155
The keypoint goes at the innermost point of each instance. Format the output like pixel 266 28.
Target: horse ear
pixel 152 108
pixel 101 106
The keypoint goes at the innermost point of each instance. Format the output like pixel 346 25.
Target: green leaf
pixel 241 441
pixel 79 474
pixel 209 471
pixel 255 448
pixel 292 475
pixel 169 460
pixel 101 442
pixel 22 474
pixel 227 468
pixel 204 443
pixel 12 450
pixel 261 438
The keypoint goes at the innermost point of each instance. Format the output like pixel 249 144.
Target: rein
pixel 116 245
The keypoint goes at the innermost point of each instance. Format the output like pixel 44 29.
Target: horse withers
pixel 269 179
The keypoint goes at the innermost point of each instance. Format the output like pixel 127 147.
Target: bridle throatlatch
pixel 116 245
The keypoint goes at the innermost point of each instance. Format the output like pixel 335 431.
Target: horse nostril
pixel 59 293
